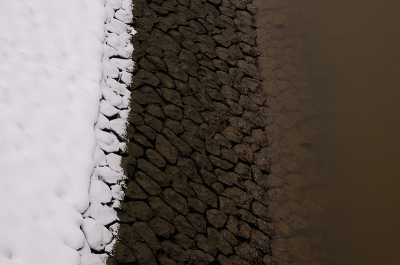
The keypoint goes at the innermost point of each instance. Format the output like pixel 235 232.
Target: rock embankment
pixel 197 166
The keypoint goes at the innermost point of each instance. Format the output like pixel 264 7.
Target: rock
pixel 208 177
pixel 197 205
pixel 199 257
pixel 222 39
pixel 134 149
pixel 161 227
pixel 260 210
pixel 224 260
pixel 248 217
pixel 139 209
pixel 143 254
pixel 232 134
pixel 236 260
pixel 177 142
pixel 165 80
pixel 218 241
pixel 145 232
pixel 133 191
pixel 194 142
pixel 238 227
pixel 203 244
pixel 259 193
pixel 246 251
pixel 190 45
pixel 188 167
pixel 202 161
pixel 153 172
pixel 183 226
pixel 155 158
pixel 174 126
pixel 188 33
pixel 173 112
pixel 147 131
pixel 226 55
pixel 216 218
pixel 147 78
pixel 259 241
pixel 140 139
pixel 229 237
pixel 222 140
pixel 175 251
pixel 241 198
pixel 166 149
pixel 122 253
pixel 243 170
pixel 154 123
pixel 147 183
pixel 205 194
pixel 244 152
pixel 227 206
pixel 127 235
pixel 176 201
pixel 184 241
pixel 229 155
pixel 161 209
pixel 220 163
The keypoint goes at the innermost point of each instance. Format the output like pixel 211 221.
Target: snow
pixel 63 102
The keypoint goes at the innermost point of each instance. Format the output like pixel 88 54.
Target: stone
pixel 243 170
pixel 191 113
pixel 172 96
pixel 197 205
pixel 184 241
pixel 229 155
pixel 147 78
pixel 190 46
pixel 236 260
pixel 176 201
pixel 246 216
pixel 238 227
pixel 220 65
pixel 127 235
pixel 199 257
pixel 194 142
pixel 226 55
pixel 202 161
pixel 147 183
pixel 155 158
pixel 216 218
pixel 222 140
pixel 175 251
pixel 208 177
pixel 244 152
pixel 223 40
pixel 183 226
pixel 154 123
pixel 224 260
pixel 241 198
pixel 174 126
pixel 161 227
pixel 161 209
pixel 183 88
pixel 203 244
pixel 143 254
pixel 165 80
pixel 220 163
pixel 259 241
pixel 166 149
pixel 188 167
pixel 258 192
pixel 229 237
pixel 134 149
pixel 175 71
pixel 205 194
pixel 210 28
pixel 184 149
pixel 260 210
pixel 227 206
pixel 147 235
pixel 198 222
pixel 133 191
pixel 147 131
pixel 206 50
pixel 153 172
pixel 218 241
pixel 232 134
pixel 173 112
pixel 188 33
pixel 246 251
pixel 122 253
pixel 139 209
pixel 249 69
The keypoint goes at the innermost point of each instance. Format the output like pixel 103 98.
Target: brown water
pixel 345 142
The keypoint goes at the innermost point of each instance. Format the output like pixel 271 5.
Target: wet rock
pixel 127 235
pixel 216 218
pixel 161 209
pixel 236 260
pixel 259 241
pixel 232 134
pixel 161 227
pixel 176 201
pixel 259 193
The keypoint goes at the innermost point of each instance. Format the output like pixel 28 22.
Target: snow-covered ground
pixel 62 103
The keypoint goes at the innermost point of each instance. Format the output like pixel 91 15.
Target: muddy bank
pixel 198 157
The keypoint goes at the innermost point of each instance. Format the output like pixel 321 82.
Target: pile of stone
pixel 197 163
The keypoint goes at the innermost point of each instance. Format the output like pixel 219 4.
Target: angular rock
pixel 205 194
pixel 216 218
pixel 198 222
pixel 161 227
pixel 161 209
pixel 176 201
pixel 166 149
pixel 183 226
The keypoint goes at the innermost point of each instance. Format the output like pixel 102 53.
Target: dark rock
pixel 143 254
pixel 210 28
pixel 199 257
pixel 166 149
pixel 229 237
pixel 220 163
pixel 248 217
pixel 161 227
pixel 144 23
pixel 174 126
pixel 183 226
pixel 259 193
pixel 198 8
pixel 220 64
pixel 175 251
pixel 244 152
pixel 266 228
pixel 224 260
pixel 236 260
pixel 232 134
pixel 259 241
pixel 240 197
pixel 147 131
pixel 154 123
pixel 134 191
pixel 176 201
pixel 192 114
pixel 208 177
pixel 191 101
pixel 202 161
pixel 135 150
pixel 225 178
pixel 175 71
pixel 190 45
pixel 158 9
pixel 229 155
pixel 203 244
pixel 153 172
pixel 161 209
pixel 138 209
pixel 218 241
pixel 188 33
pixel 216 218
pixel 147 77
pixel 163 260
pixel 122 253
pixel 238 227
pixel 173 112
pixel 184 241
pixel 212 146
pixel 147 183
pixel 171 21
pixel 135 119
pixel 127 235
pixel 186 13
pixel 183 88
pixel 222 140
pixel 165 42
pixel 227 206
pixel 207 51
pixel 194 142
pixel 260 210
pixel 197 205
pixel 246 251
pixel 243 170
pixel 157 62
pixel 165 80
pixel 147 235
pixel 204 61
pixel 198 222
pixel 188 167
pixel 177 142
pixel 140 139
pixel 172 96
pixel 227 56
pixel 205 194
pixel 197 27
